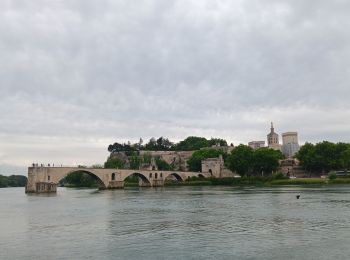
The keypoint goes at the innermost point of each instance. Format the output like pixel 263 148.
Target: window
pixel 113 176
pixel 48 177
pixel 155 175
pixel 150 175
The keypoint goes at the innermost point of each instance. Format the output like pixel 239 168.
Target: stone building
pixel 273 139
pixel 256 144
pixel 290 144
pixel 290 167
pixel 215 167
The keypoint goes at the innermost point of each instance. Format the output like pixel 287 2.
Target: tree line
pixel 13 181
pixel 135 161
pixel 191 143
pixel 324 157
pixel 243 160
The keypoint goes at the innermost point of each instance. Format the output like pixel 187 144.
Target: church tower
pixel 273 139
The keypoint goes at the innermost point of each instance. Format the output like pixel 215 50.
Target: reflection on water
pixel 176 223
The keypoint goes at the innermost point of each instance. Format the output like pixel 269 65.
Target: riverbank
pixel 259 181
pixel 244 181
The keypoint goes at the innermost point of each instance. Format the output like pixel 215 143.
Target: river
pixel 177 223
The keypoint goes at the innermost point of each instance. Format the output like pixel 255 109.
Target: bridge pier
pixel 116 185
pixel 158 183
pixel 42 187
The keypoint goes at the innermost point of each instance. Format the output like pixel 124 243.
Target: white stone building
pixel 290 144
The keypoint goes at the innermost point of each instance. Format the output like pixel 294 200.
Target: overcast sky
pixel 77 75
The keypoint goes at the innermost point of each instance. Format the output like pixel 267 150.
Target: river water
pixel 177 223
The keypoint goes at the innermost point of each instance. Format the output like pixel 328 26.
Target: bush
pixel 279 176
pixel 332 176
pixel 340 181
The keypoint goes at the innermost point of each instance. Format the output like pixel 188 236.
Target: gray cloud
pixel 77 75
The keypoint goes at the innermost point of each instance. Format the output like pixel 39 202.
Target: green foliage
pixel 135 162
pixel 246 161
pixel 195 161
pixel 3 181
pixel 332 176
pixel 215 141
pixel 147 158
pixel 163 165
pixel 161 144
pixel 306 156
pixel 340 181
pixel 132 179
pixel 266 161
pixel 97 166
pixel 241 160
pixel 192 143
pixel 127 148
pixel 114 163
pixel 80 179
pixel 324 156
pixel 279 176
pixel 13 181
pixel 243 181
pixel 345 158
pixel 301 181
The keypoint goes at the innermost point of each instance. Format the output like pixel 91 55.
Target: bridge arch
pixel 140 175
pixel 101 184
pixel 176 175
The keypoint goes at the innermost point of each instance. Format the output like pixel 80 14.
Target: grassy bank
pixel 259 181
pixel 302 181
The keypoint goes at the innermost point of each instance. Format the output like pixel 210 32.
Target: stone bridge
pixel 46 179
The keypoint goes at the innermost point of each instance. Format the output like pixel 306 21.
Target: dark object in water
pixel 298 196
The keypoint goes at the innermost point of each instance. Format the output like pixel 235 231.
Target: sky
pixel 77 75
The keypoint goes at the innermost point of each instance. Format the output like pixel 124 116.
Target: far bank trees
pixel 246 161
pixel 324 157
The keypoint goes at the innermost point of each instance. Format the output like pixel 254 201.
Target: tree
pixel 306 157
pixel 241 160
pixel 147 158
pixel 266 161
pixel 215 141
pixel 3 181
pixel 163 165
pixel 192 143
pixel 151 145
pixel 135 162
pixel 114 163
pixel 128 148
pixel 324 157
pixel 195 161
pixel 13 181
pixel 161 144
pixel 345 159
